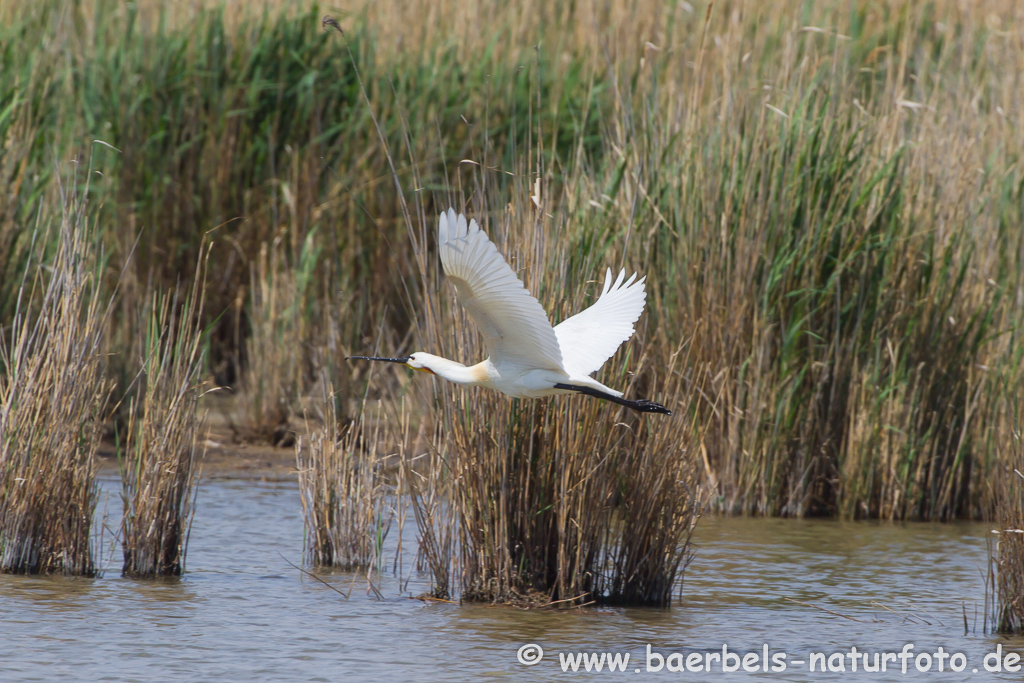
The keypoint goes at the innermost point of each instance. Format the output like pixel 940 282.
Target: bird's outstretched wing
pixel 514 324
pixel 595 333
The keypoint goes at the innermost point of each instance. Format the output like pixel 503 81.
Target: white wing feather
pixel 592 336
pixel 513 323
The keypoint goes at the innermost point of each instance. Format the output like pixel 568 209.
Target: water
pixel 243 613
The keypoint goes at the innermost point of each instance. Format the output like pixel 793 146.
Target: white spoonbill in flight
pixel 528 357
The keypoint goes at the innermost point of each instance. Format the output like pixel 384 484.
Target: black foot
pixel 641 406
pixel 645 406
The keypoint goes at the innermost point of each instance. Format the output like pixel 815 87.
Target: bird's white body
pixel 508 378
pixel 528 357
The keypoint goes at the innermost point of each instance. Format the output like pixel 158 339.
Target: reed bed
pixel 159 473
pixel 52 397
pixel 825 199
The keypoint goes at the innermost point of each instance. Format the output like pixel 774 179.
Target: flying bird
pixel 528 357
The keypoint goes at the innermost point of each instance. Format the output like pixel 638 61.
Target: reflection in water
pixel 58 594
pixel 175 591
pixel 243 613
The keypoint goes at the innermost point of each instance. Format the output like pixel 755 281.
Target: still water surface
pixel 242 613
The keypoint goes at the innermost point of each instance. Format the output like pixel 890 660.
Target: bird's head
pixel 417 361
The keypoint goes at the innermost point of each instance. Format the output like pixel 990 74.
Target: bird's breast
pixel 524 383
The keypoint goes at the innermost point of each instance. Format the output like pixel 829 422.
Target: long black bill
pixel 404 359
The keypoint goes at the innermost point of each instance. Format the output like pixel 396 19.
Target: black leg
pixel 641 405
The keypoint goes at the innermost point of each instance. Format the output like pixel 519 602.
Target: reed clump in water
pixel 159 472
pixel 343 488
pixel 570 503
pixel 52 397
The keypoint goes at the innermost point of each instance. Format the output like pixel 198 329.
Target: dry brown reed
pixel 52 397
pixel 159 473
pixel 345 493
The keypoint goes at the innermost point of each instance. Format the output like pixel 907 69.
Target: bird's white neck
pixel 475 375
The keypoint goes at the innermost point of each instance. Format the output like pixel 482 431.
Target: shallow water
pixel 242 613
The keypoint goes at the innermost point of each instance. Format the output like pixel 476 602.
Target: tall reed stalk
pixel 52 397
